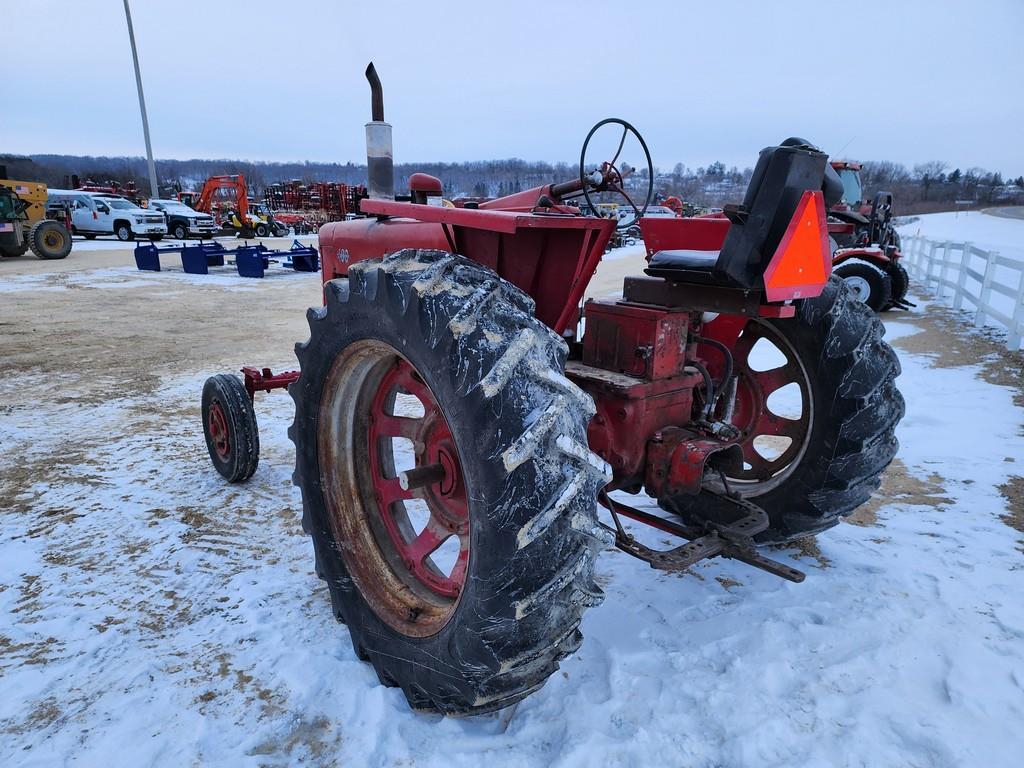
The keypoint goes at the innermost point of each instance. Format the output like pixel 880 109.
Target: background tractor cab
pixel 865 243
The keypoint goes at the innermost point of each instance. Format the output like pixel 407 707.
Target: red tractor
pixel 866 245
pixel 461 412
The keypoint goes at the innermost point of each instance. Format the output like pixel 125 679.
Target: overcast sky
pixel 906 81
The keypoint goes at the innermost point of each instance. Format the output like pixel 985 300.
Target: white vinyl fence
pixel 993 285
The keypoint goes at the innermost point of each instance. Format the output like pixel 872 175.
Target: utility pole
pixel 154 192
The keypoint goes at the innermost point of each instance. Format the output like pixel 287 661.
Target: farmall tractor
pixel 866 245
pixel 461 412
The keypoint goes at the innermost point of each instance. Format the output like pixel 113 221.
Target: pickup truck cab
pixel 182 221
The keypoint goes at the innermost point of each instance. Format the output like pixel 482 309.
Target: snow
pixel 111 243
pixel 1004 235
pixel 171 273
pixel 154 615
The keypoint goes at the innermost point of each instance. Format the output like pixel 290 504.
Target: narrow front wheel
pixel 229 424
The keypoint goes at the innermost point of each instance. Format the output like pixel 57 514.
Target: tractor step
pixel 733 540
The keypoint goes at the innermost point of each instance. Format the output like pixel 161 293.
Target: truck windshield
pixel 852 191
pixel 123 205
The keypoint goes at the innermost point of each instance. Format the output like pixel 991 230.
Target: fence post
pixel 961 279
pixel 1017 323
pixel 932 247
pixel 918 257
pixel 986 288
pixel 943 267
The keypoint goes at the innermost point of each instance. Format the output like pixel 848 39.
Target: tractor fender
pixel 343 243
pixel 874 256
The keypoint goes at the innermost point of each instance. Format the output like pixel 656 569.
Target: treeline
pixel 935 186
pixel 921 188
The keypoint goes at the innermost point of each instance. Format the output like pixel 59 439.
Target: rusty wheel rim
pixel 773 444
pixel 217 424
pixel 394 488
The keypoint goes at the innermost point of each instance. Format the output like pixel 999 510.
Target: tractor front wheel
pixel 816 407
pixel 229 423
pixel 868 283
pixel 446 480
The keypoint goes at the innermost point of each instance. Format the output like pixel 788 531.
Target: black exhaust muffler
pixel 380 163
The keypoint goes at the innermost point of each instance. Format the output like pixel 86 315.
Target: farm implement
pixel 461 411
pixel 249 260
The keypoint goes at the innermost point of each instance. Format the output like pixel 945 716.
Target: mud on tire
pixel 851 438
pixel 520 428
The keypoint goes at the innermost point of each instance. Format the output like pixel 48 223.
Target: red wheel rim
pixel 752 414
pixel 217 424
pixel 444 496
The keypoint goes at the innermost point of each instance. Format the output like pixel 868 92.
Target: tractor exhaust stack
pixel 380 164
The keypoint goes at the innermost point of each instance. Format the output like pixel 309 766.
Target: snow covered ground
pixel 108 243
pixel 151 614
pixel 1003 234
pixel 999 231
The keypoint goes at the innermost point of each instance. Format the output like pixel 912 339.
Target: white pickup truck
pixel 93 215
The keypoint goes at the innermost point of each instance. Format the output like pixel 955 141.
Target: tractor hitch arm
pixel 734 540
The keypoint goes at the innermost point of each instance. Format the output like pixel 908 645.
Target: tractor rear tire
pixel 229 424
pixel 850 439
pixel 492 374
pixel 11 253
pixel 869 284
pixel 49 239
pixel 261 230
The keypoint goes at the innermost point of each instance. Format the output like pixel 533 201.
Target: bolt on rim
pixel 394 488
pixel 773 444
pixel 217 424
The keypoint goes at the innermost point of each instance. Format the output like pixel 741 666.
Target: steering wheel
pixel 611 178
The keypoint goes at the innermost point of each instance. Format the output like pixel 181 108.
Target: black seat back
pixel 781 177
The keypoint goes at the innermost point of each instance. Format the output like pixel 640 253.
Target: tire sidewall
pixel 240 421
pixel 474 428
pixel 879 283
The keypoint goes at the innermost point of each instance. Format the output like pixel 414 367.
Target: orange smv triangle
pixel 802 262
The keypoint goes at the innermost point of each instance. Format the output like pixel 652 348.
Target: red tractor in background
pixel 866 245
pixel 460 411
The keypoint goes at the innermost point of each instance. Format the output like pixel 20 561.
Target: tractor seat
pixel 683 259
pixel 782 175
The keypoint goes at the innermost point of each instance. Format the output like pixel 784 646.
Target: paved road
pixel 1006 211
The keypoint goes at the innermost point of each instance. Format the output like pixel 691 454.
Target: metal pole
pixel 154 192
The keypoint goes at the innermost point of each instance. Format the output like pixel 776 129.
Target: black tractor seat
pixel 782 175
pixel 682 265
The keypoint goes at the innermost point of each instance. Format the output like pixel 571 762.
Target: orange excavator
pixel 232 210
